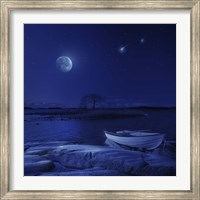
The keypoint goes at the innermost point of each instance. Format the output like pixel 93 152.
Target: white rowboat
pixel 136 139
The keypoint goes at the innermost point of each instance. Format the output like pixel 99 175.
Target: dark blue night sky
pixel 143 74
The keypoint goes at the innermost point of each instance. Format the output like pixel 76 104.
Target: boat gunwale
pixel 114 134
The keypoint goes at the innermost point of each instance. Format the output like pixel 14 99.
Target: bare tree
pixel 91 100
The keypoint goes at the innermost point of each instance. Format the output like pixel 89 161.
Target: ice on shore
pixel 64 159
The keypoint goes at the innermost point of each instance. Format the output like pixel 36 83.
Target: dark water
pixel 50 128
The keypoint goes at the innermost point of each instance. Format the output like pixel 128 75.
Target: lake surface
pixel 38 127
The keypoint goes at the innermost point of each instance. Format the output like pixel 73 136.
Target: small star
pixel 122 49
pixel 142 40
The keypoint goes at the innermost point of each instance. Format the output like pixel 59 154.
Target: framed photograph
pixel 100 99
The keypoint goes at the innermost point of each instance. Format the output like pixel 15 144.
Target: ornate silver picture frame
pixel 7 6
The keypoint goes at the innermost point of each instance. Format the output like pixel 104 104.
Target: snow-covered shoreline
pixel 62 158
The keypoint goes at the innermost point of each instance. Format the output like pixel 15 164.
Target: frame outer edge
pixel 4 101
pixel 101 4
pixel 195 99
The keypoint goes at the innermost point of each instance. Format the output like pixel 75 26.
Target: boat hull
pixel 147 142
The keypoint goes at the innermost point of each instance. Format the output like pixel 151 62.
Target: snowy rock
pixel 33 158
pixel 85 172
pixel 158 171
pixel 158 160
pixel 64 159
pixel 88 156
pixel 159 165
pixel 102 172
pixel 40 166
pixel 40 149
pixel 36 151
pixel 121 160
pixel 77 156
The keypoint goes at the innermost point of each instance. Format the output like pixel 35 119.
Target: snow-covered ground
pixel 64 159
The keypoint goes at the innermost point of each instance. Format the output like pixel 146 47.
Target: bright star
pixel 122 49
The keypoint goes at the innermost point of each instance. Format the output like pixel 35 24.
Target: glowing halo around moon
pixel 64 64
